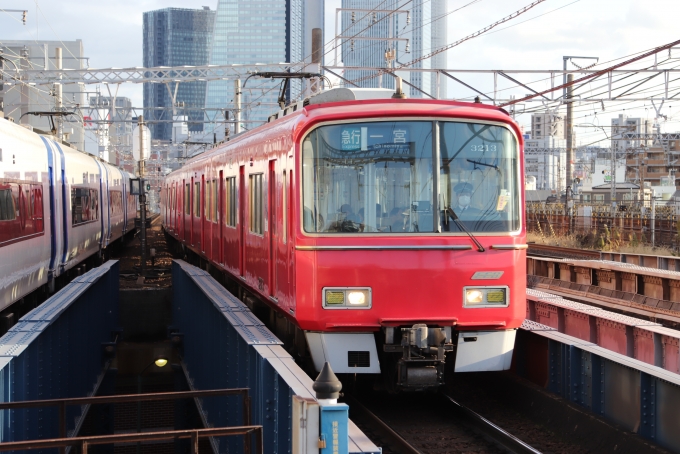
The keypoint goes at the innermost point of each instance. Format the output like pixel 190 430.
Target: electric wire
pixel 466 38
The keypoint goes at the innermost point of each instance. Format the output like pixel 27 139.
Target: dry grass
pixel 571 241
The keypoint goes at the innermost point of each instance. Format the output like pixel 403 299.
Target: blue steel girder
pixel 225 346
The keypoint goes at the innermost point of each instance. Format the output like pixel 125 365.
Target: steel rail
pixel 501 436
pixel 396 443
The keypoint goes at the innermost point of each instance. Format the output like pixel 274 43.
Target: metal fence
pixel 57 351
pixel 601 229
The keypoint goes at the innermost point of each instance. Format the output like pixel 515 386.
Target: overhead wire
pixel 464 39
pixel 329 50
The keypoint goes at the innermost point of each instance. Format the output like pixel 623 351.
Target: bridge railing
pixel 641 398
pixel 225 346
pixel 58 351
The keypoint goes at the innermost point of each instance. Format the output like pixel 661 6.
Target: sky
pixel 609 29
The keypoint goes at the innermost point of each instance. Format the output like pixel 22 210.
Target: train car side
pixel 58 208
pixel 25 217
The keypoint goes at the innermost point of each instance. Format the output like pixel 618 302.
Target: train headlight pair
pixel 485 296
pixel 346 298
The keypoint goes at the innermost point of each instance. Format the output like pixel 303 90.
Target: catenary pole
pixel 142 196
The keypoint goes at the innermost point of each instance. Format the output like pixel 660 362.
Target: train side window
pixel 7 207
pixel 230 202
pixel 84 205
pixel 197 199
pixel 255 204
pixel 285 207
pixel 208 201
pixel 213 201
pixel 39 225
pixel 94 204
pixel 116 202
pixel 29 203
pixel 187 205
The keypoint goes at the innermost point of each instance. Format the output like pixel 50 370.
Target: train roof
pixel 364 103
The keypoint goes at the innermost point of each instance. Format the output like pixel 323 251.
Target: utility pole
pixel 612 183
pixel 23 119
pixel 570 147
pixel 2 87
pixel 653 216
pixel 237 106
pixel 58 94
pixel 142 196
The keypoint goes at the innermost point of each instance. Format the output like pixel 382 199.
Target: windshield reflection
pixel 378 177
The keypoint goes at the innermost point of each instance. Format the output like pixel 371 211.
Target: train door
pixel 201 214
pixel 283 262
pixel 273 230
pixel 220 219
pixel 290 211
pixel 171 204
pixel 181 212
pixel 192 208
pixel 175 228
pixel 242 221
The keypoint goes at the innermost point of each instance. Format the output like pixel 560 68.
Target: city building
pixel 398 32
pixel 546 161
pixel 19 98
pixel 547 124
pixel 109 126
pixel 625 124
pixel 259 31
pixel 176 37
pixel 652 164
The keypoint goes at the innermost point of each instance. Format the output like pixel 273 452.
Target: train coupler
pixel 423 354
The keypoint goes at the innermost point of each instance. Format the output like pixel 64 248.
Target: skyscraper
pixel 410 29
pixel 176 37
pixel 260 31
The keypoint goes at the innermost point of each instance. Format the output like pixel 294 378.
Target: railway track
pixel 544 250
pixel 431 424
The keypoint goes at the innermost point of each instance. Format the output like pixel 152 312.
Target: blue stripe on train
pixel 53 237
pixel 65 199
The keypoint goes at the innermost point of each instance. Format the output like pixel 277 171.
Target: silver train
pixel 58 207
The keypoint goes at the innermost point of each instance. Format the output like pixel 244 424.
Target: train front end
pixel 410 256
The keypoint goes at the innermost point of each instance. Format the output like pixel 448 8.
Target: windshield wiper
pixel 482 164
pixel 454 217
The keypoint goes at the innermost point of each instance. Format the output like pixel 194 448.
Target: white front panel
pixel 334 348
pixel 484 350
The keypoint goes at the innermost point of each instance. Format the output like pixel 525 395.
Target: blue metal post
pixel 333 427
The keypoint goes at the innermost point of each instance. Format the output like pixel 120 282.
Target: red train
pixel 387 233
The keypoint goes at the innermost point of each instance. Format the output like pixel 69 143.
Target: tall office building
pixel 21 98
pixel 176 37
pixel 260 31
pixel 410 29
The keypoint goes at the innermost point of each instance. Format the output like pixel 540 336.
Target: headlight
pixel 355 298
pixel 346 298
pixel 474 296
pixel 485 296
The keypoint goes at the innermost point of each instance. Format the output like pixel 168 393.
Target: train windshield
pixel 410 177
